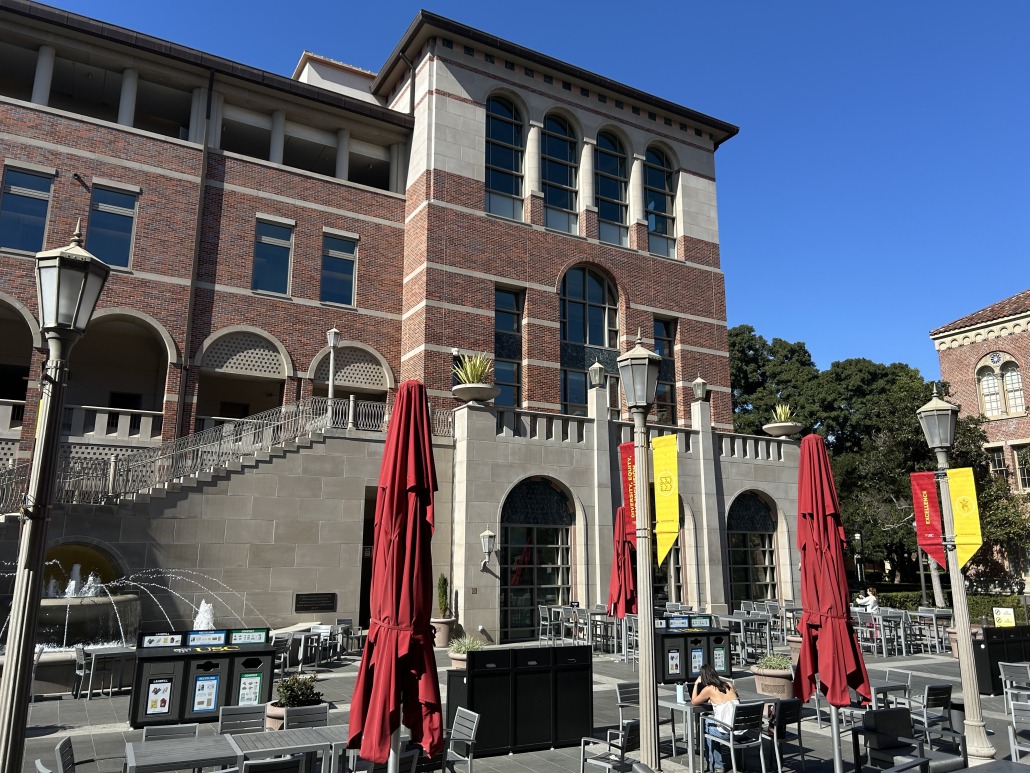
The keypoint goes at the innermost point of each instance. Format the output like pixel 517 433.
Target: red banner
pixel 627 463
pixel 928 516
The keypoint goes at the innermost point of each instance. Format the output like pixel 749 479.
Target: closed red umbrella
pixel 622 587
pixel 397 673
pixel 829 646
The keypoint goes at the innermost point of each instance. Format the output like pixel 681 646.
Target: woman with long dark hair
pixel 712 688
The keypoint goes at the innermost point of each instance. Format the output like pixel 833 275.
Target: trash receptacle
pixel 207 683
pixel 573 695
pixel 531 684
pixel 670 655
pixel 719 646
pixel 251 679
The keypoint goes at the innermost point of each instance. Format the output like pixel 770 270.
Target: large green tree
pixel 866 411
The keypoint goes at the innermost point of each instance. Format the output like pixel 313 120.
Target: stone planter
pixel 794 642
pixel 475 393
pixel 458 660
pixel 783 428
pixel 275 715
pixel 774 682
pixel 442 626
pixel 976 631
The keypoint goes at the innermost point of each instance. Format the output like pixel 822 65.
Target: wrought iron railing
pixel 127 471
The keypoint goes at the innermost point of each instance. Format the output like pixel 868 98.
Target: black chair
pixel 890 740
pixel 1020 723
pixel 745 732
pixel 613 754
pixel 933 709
pixel 164 732
pixel 283 644
pixel 788 712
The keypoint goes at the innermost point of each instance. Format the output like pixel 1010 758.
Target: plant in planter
pixel 473 372
pixel 460 648
pixel 783 423
pixel 293 690
pixel 443 623
pixel 774 676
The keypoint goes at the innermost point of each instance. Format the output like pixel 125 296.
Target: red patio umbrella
pixel 397 672
pixel 622 587
pixel 829 646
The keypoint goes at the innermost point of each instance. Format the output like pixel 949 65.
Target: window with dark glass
pixel 996 459
pixel 338 269
pixel 1022 456
pixel 507 378
pixel 659 201
pixel 23 209
pixel 111 219
pixel 665 338
pixel 574 392
pixel 272 246
pixel 504 158
pixel 610 186
pixel 665 395
pixel 558 170
pixel 589 309
pixel 507 311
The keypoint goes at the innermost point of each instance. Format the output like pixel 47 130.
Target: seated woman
pixel 712 688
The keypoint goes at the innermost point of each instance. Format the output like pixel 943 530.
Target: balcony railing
pixel 12 412
pixel 111 424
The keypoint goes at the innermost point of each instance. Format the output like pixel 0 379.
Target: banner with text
pixel 928 516
pixel 628 465
pixel 666 494
pixel 966 512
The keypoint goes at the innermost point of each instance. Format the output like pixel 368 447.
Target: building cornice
pixel 986 331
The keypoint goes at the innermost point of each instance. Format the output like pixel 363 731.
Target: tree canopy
pixel 866 412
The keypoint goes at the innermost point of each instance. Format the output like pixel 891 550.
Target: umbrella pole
pixel 393 762
pixel 838 761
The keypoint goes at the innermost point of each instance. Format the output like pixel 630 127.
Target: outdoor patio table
pixel 691 715
pixel 602 626
pixel 890 621
pixel 744 627
pixel 180 754
pixel 115 658
pixel 327 740
pixel 882 687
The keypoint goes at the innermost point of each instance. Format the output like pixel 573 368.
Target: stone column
pixel 708 559
pixel 601 528
pixel 342 153
pixel 44 75
pixel 587 207
pixel 127 99
pixel 278 141
pixel 531 161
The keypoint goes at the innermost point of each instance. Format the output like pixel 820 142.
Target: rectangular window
pixel 338 270
pixel 23 209
pixel 574 392
pixel 996 456
pixel 1023 465
pixel 664 346
pixel 507 311
pixel 272 246
pixel 508 378
pixel 665 403
pixel 112 215
pixel 665 338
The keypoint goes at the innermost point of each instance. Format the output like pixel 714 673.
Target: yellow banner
pixel 966 512
pixel 666 494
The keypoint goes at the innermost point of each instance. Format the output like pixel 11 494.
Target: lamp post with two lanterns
pixel 68 282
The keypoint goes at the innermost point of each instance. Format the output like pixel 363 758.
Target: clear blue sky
pixel 880 141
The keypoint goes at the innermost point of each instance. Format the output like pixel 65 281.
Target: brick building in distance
pixel 471 196
pixel 983 356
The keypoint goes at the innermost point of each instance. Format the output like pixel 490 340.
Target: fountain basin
pixel 64 622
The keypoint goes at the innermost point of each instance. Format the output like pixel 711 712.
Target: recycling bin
pixel 573 695
pixel 251 679
pixel 531 688
pixel 719 648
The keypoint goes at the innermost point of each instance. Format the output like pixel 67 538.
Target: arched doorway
pixel 751 537
pixel 536 555
pixel 358 372
pixel 243 373
pixel 16 342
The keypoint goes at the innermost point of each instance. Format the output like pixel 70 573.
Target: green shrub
pixel 295 690
pixel 980 607
pixel 778 662
pixel 473 368
pixel 465 644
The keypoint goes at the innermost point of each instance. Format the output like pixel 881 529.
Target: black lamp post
pixel 938 420
pixel 68 282
pixel 638 371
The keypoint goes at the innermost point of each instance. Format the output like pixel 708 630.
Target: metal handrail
pixel 13 483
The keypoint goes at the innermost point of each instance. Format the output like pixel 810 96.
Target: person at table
pixel 869 601
pixel 713 689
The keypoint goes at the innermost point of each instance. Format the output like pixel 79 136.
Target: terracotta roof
pixel 1017 304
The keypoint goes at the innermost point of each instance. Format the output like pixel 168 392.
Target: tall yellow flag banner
pixel 966 512
pixel 666 494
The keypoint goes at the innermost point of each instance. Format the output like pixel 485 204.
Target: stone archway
pixel 751 545
pixel 242 373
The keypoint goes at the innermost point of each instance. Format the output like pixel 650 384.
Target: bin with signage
pixel 189 675
pixel 680 652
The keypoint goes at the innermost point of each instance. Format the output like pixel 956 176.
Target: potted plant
pixel 783 423
pixel 794 642
pixel 774 676
pixel 472 371
pixel 460 648
pixel 443 623
pixel 292 690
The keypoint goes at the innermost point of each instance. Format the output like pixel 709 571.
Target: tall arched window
pixel 558 169
pixel 1000 384
pixel 610 183
pixel 659 203
pixel 589 317
pixel 751 533
pixel 505 146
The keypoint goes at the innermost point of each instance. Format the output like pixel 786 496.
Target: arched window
pixel 751 533
pixel 659 203
pixel 558 170
pixel 1000 385
pixel 610 183
pixel 1013 383
pixel 589 317
pixel 505 146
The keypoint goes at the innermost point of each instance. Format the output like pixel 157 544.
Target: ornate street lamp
pixel 638 371
pixel 938 419
pixel 68 282
pixel 333 337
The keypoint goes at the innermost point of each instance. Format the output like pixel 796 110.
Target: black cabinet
pixel 526 698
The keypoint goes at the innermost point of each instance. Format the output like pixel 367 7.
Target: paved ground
pixel 99 727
